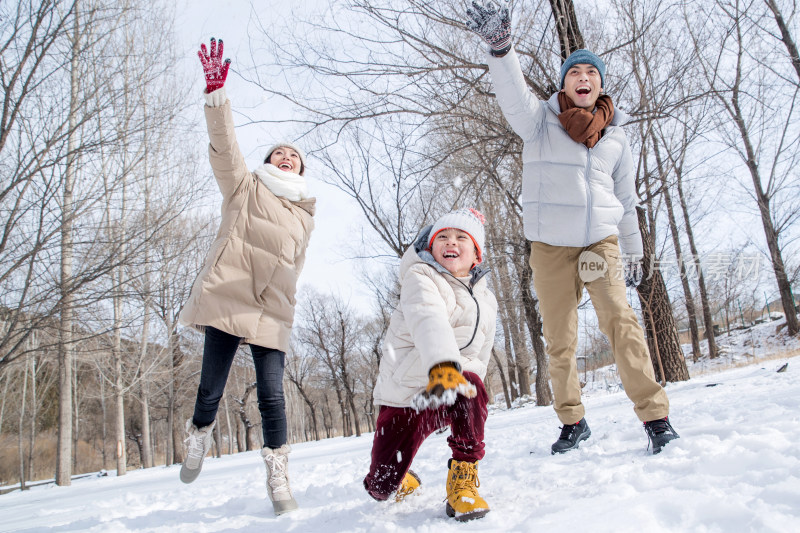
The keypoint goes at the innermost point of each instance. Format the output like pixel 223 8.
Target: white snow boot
pixel 197 444
pixel 277 461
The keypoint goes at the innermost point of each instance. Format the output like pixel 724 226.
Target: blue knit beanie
pixel 583 57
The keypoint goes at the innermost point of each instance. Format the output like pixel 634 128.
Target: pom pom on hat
pixel 470 221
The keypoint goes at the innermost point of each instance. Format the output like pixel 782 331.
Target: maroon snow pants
pixel 400 432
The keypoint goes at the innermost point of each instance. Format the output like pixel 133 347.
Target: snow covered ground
pixel 735 468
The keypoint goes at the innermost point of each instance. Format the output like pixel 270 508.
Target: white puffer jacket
pixel 439 318
pixel 571 195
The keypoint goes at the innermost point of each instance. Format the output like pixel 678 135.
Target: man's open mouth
pixel 583 90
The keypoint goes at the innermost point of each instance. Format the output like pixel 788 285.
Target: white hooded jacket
pixel 439 318
pixel 571 195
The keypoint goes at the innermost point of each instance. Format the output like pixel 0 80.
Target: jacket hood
pixel 620 117
pixel 418 253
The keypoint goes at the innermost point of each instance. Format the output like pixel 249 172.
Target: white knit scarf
pixel 287 184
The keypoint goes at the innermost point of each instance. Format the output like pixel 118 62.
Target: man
pixel 578 200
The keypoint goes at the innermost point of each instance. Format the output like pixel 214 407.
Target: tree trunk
pixel 147 439
pixel 34 415
pixel 119 423
pixel 569 33
pixel 65 348
pixel 503 297
pixel 701 281
pixel 662 335
pixel 176 439
pixel 502 377
pixel 120 453
pixel 327 418
pixel 246 423
pixel 172 445
pixel 544 395
pixel 771 234
pixel 309 404
pixel 786 36
pixel 676 244
pixel 76 415
pixel 521 360
pixel 343 409
pixel 3 400
pixel 21 428
pixel 218 440
pixel 104 412
pixel 228 422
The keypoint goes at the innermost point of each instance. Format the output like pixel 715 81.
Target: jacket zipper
pixel 477 319
pixel 588 195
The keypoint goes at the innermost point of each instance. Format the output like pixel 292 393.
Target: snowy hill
pixel 736 467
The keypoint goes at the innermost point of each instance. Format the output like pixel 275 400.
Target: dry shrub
pixel 88 458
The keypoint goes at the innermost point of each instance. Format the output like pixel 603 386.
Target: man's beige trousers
pixel 559 275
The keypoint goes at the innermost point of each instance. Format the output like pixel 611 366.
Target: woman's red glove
pixel 214 68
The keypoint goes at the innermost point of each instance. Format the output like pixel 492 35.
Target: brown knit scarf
pixel 581 125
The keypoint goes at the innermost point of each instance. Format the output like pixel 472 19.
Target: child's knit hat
pixel 467 220
pixel 584 57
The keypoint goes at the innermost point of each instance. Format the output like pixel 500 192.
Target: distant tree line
pixel 104 206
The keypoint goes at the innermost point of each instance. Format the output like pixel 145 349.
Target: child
pixel 436 352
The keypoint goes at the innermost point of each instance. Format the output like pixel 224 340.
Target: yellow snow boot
pixel 463 501
pixel 410 483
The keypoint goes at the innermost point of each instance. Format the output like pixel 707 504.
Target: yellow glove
pixel 444 377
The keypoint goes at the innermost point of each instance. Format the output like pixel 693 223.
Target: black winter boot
pixel 659 432
pixel 571 436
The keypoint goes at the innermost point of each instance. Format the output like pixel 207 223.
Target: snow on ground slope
pixel 736 467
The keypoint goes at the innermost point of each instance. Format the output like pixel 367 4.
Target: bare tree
pixel 662 334
pixel 786 34
pixel 329 331
pixel 734 55
pixel 300 370
pixel 64 463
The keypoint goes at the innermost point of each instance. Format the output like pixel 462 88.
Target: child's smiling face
pixel 454 250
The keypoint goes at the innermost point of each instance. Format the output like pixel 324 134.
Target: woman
pixel 245 290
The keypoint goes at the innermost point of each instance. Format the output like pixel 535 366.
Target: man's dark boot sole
pixel 583 437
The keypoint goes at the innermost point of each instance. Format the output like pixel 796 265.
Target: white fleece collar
pixel 287 184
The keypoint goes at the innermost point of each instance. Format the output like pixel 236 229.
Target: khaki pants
pixel 559 275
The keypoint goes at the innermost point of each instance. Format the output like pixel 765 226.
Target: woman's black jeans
pixel 218 352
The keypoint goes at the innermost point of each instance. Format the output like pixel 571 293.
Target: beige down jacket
pixel 248 281
pixel 439 318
